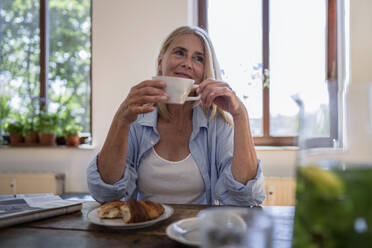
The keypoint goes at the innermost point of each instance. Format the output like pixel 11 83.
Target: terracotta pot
pixel 32 138
pixel 16 139
pixel 48 139
pixel 73 140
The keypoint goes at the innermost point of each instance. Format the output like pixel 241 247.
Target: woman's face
pixel 184 58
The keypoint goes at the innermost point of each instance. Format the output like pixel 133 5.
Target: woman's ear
pixel 159 66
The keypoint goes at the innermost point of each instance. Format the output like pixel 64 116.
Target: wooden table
pixel 74 230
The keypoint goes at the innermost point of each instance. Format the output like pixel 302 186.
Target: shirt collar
pixel 198 119
pixel 149 119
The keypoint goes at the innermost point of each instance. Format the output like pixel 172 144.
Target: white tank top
pixel 165 181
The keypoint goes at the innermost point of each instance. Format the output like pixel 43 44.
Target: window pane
pixel 297 63
pixel 235 28
pixel 69 59
pixel 19 55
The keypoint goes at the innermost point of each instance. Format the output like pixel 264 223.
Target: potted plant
pixel 30 131
pixel 71 133
pixel 47 127
pixel 30 120
pixel 66 119
pixel 15 130
pixel 4 113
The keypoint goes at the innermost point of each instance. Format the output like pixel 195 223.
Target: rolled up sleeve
pixel 231 192
pixel 103 192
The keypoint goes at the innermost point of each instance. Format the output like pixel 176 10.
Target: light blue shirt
pixel 211 145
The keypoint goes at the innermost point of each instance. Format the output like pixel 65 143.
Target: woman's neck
pixel 180 113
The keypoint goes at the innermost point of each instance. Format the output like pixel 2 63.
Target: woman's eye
pixel 199 59
pixel 180 53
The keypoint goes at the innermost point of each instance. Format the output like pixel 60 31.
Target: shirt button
pixel 152 142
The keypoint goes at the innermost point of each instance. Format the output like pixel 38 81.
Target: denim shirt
pixel 211 145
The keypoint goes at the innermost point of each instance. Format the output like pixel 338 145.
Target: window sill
pixel 80 147
pixel 94 146
pixel 276 148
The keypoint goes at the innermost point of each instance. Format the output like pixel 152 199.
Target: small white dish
pixel 185 231
pixel 93 217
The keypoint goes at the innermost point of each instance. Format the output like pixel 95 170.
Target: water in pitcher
pixel 333 205
pixel 334 184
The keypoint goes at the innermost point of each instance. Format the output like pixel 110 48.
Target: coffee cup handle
pixel 193 98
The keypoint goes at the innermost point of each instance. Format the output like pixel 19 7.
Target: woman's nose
pixel 187 62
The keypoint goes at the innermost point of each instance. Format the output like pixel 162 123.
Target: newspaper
pixel 23 208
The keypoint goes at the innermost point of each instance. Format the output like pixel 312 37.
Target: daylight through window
pixel 66 92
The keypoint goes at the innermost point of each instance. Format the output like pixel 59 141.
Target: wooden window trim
pixel 331 76
pixel 44 58
pixel 203 14
pixel 275 141
pixel 91 71
pixel 265 66
pixel 332 80
pixel 44 53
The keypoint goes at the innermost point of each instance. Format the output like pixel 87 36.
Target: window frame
pixel 331 76
pixel 44 58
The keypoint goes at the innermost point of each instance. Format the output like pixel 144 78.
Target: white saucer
pixel 185 231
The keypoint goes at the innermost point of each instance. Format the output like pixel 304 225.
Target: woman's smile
pixel 183 75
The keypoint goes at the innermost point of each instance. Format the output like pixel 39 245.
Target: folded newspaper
pixel 24 208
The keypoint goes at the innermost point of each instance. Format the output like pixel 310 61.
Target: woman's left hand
pixel 221 94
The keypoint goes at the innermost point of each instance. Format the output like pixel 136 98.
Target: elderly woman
pixel 197 152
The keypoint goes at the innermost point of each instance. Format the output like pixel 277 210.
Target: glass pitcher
pixel 334 178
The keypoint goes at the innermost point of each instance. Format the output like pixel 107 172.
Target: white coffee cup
pixel 178 89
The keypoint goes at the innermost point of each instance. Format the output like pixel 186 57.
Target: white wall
pixel 358 114
pixel 361 41
pixel 126 37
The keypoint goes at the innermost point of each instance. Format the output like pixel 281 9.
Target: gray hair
pixel 211 67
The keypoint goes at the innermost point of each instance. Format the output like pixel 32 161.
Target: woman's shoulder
pixel 148 119
pixel 218 123
pixel 222 119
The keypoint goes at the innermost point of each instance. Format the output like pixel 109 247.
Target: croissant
pixel 132 211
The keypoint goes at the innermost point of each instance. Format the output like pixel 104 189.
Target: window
pixel 270 51
pixel 45 58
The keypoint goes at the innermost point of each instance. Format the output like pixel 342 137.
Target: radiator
pixel 31 183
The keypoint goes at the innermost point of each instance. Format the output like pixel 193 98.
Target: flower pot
pixel 32 138
pixel 16 139
pixel 48 139
pixel 73 140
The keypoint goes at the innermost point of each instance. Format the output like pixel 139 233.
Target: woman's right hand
pixel 141 100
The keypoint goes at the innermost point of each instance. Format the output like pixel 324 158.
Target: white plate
pixel 92 216
pixel 185 231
